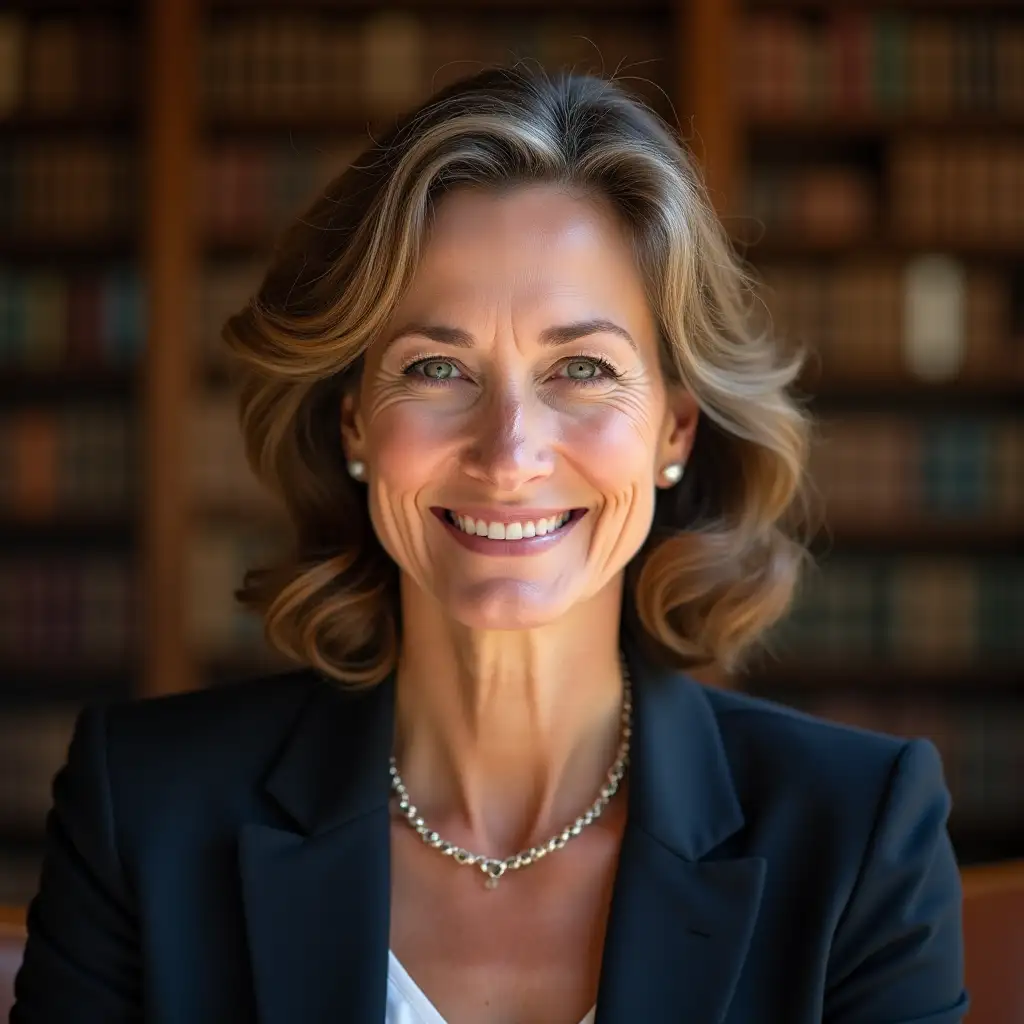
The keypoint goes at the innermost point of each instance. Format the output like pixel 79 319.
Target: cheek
pixel 615 445
pixel 408 441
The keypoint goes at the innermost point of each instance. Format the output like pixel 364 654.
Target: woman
pixel 538 462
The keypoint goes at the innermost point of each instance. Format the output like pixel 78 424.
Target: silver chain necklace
pixel 494 868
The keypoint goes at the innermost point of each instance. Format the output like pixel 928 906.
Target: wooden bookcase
pixel 880 185
pixel 238 110
pixel 72 333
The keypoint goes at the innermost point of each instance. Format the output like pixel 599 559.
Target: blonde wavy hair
pixel 721 561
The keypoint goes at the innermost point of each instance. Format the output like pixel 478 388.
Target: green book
pixel 954 461
pixel 889 66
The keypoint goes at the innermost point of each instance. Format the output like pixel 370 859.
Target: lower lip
pixel 503 548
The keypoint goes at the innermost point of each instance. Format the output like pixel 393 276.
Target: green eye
pixel 437 369
pixel 581 369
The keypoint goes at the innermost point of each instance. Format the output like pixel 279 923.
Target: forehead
pixel 530 248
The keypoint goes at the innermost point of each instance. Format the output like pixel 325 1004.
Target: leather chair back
pixel 994 942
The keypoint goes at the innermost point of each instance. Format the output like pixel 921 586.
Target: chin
pixel 507 605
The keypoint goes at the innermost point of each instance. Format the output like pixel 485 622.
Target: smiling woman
pixel 539 463
pixel 524 292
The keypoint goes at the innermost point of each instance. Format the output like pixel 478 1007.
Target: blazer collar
pixel 681 788
pixel 317 893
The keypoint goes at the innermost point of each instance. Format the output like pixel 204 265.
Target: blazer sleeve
pixel 897 956
pixel 82 960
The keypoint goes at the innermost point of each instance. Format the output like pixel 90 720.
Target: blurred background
pixel 867 157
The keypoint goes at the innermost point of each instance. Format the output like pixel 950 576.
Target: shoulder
pixel 191 749
pixel 761 731
pixel 778 753
pixel 250 714
pixel 854 822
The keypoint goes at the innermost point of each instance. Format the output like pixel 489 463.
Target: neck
pixel 504 737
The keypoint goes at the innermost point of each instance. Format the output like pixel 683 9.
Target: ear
pixel 678 429
pixel 353 434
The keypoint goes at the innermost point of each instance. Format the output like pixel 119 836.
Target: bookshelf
pixel 880 179
pixel 72 332
pixel 202 126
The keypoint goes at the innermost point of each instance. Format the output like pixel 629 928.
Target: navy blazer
pixel 222 856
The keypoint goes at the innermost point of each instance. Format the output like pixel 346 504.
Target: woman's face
pixel 513 417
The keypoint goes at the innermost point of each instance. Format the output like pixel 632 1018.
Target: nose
pixel 511 443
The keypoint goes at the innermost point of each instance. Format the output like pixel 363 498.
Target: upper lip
pixel 490 514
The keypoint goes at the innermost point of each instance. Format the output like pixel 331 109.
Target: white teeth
pixel 509 531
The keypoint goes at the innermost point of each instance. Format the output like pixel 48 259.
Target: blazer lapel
pixel 317 896
pixel 679 926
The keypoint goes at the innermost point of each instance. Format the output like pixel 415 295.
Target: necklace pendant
pixel 493 869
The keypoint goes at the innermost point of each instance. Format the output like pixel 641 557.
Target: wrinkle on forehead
pixel 536 254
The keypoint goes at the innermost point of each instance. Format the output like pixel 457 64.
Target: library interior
pixel 866 157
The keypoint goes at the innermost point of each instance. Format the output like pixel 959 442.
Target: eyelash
pixel 607 370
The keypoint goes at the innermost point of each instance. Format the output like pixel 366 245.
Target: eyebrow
pixel 560 334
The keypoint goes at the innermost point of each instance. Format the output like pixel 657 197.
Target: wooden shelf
pixel 915 397
pixel 340 8
pixel 978 842
pixel 235 250
pixel 23 685
pixel 84 8
pixel 927 535
pixel 278 129
pixel 778 245
pixel 906 6
pixel 837 124
pixel 62 252
pixel 121 125
pixel 779 681
pixel 106 532
pixel 240 514
pixel 70 385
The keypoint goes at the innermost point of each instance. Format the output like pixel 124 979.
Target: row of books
pixel 979 741
pixel 65 611
pixel 929 318
pixel 957 191
pixel 907 610
pixel 59 66
pixel 69 462
pixel 938 192
pixel 248 191
pixel 821 205
pixel 880 63
pixel 51 320
pixel 68 190
pixel 378 64
pixel 965 193
pixel 880 471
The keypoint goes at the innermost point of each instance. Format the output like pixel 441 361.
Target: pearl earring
pixel 673 473
pixel 357 469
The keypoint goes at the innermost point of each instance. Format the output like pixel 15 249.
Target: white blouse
pixel 408 1005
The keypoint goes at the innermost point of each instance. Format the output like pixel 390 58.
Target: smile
pixel 515 535
pixel 515 530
